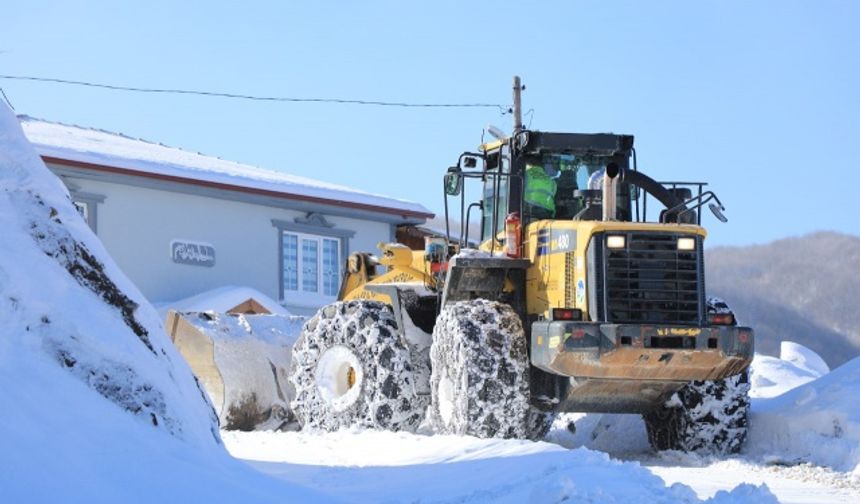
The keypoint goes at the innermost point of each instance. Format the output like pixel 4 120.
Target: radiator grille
pixel 651 281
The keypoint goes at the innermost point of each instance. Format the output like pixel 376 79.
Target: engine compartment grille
pixel 650 281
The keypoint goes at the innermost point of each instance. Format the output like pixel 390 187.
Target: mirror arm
pixel 702 199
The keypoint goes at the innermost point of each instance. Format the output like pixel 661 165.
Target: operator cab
pixel 552 176
pixel 559 176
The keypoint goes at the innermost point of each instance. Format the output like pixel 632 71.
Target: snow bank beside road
pixel 67 304
pixel 817 422
pixel 97 404
pixel 802 412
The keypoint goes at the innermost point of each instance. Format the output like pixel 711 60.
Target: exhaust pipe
pixel 610 184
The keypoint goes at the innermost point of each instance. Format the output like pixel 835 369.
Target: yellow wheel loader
pixel 586 294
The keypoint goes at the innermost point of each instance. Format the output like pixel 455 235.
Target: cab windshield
pixel 552 179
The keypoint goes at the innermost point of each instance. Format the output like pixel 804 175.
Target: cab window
pixel 552 179
pixel 498 162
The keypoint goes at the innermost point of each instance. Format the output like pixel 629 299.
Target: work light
pixel 615 241
pixel 686 243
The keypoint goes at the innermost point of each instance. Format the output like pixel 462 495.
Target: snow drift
pixel 97 404
pixel 796 365
pixel 818 422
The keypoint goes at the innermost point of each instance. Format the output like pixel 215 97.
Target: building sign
pixel 193 253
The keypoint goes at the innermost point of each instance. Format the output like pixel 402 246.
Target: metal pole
pixel 518 111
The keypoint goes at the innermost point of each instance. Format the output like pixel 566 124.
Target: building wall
pixel 137 225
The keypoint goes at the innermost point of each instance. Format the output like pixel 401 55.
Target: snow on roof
pixel 223 299
pixel 436 225
pixel 105 148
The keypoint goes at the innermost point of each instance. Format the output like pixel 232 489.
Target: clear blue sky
pixel 761 99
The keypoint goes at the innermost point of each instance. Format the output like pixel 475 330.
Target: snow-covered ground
pixel 605 458
pixel 367 466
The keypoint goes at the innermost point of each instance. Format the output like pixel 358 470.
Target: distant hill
pixel 803 289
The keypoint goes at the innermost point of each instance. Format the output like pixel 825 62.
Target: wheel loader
pixel 586 294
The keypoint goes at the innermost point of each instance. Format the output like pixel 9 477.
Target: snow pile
pixel 612 433
pixel 436 227
pixel 818 422
pixel 803 358
pixel 222 300
pixel 796 365
pixel 373 466
pixel 98 405
pixel 252 355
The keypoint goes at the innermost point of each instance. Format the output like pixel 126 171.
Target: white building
pixel 179 223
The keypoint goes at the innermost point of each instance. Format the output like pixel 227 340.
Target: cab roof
pixel 536 142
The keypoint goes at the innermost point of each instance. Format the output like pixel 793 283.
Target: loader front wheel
pixel 351 368
pixel 479 381
pixel 704 416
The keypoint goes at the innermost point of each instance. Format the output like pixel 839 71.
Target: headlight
pixel 686 244
pixel 615 241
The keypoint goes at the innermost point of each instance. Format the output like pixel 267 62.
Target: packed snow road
pixel 795 485
pixel 794 451
pixel 370 466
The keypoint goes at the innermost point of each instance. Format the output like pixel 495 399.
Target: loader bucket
pixel 242 361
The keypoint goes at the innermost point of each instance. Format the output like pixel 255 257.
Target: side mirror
pixel 453 183
pixel 717 210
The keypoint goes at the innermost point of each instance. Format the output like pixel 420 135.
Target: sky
pixel 759 99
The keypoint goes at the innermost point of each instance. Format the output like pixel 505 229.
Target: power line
pixel 502 109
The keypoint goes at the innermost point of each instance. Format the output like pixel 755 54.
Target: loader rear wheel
pixel 479 382
pixel 704 416
pixel 351 368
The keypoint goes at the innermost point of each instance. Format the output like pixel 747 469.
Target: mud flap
pixel 492 278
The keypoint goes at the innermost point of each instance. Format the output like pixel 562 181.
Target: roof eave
pixel 406 215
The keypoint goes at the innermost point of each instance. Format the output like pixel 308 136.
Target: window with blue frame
pixel 311 264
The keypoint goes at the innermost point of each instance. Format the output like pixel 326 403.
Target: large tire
pixel 479 382
pixel 351 368
pixel 704 416
pixel 543 398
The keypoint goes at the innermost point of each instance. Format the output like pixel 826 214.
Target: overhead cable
pixel 240 96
